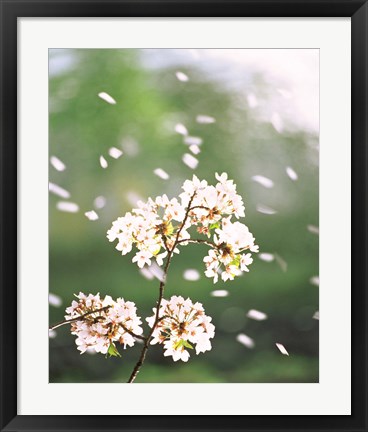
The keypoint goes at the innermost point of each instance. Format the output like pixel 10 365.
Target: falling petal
pixel 245 340
pixel 115 152
pixel 265 209
pixel 57 163
pixel 277 122
pixel 52 334
pixel 145 272
pixel 313 229
pixel 191 275
pixel 191 140
pixel 314 280
pixel 316 315
pixel 181 129
pixel 181 76
pixel 107 98
pixel 66 206
pixel 205 119
pixel 194 149
pixel 99 202
pixel 264 181
pixel 103 162
pixel 291 173
pixel 282 349
pixel 281 262
pixel 157 272
pixel 91 215
pixel 190 161
pixel 268 257
pixel 256 315
pixel 57 190
pixel 55 300
pixel 252 100
pixel 161 173
pixel 219 293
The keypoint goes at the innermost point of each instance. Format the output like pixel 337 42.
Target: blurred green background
pixel 248 138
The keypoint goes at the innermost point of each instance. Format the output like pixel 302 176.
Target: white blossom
pixel 182 326
pixel 142 258
pixel 230 241
pixel 103 323
pixel 159 227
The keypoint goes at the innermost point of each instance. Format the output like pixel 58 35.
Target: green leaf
pixel 169 229
pixel 177 345
pixel 187 344
pixel 236 261
pixel 112 351
pixel 156 252
pixel 215 225
pixel 183 343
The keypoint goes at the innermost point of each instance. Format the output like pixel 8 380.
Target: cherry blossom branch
pixel 206 242
pixel 79 318
pixel 152 230
pixel 184 221
pixel 163 237
pixel 161 295
pixel 148 338
pixel 141 337
pixel 200 207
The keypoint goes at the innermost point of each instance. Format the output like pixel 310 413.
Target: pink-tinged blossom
pixel 99 331
pixel 245 261
pixel 230 240
pixel 142 257
pixel 183 326
pixel 230 272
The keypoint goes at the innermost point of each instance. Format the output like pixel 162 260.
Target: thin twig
pixel 208 243
pixel 141 337
pixel 161 294
pixel 79 318
pixel 200 207
pixel 148 338
pixel 164 242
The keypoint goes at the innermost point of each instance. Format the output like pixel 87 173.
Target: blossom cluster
pixel 181 324
pixel 230 241
pixel 158 227
pixel 102 323
pixel 150 232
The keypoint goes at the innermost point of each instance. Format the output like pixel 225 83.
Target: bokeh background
pixel 264 106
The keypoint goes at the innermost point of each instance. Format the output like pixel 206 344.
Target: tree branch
pixel 141 337
pixel 208 243
pixel 200 207
pixel 79 318
pixel 160 297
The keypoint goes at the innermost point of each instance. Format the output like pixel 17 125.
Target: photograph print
pixel 183 215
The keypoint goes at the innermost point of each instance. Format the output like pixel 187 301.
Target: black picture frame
pixel 10 11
